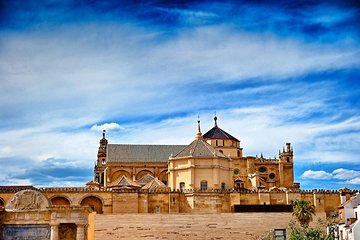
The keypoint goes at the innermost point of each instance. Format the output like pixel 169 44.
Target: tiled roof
pixel 14 189
pixel 154 184
pixel 141 153
pixel 218 133
pixel 199 148
pixel 124 182
pixel 145 179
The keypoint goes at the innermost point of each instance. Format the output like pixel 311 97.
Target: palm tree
pixel 303 211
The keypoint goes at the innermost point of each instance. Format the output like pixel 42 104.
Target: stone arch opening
pixel 143 173
pixel 94 202
pixel 118 174
pixel 2 202
pixel 60 201
pixel 163 176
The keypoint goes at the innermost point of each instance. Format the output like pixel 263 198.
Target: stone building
pixel 212 161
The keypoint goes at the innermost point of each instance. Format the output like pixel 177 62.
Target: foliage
pixel 303 211
pixel 297 231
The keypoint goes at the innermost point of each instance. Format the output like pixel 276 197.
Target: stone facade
pixel 214 160
pixel 187 201
pixel 29 214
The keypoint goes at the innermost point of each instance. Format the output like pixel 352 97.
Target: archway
pixel 2 202
pixel 163 176
pixel 60 201
pixel 94 202
pixel 118 174
pixel 143 173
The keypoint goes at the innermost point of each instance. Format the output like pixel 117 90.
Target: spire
pixel 104 133
pixel 215 119
pixel 198 134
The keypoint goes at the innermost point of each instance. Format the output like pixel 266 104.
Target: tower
pixel 286 170
pixel 223 141
pixel 101 160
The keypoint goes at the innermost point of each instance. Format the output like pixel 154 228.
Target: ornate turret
pixel 101 160
pixel 198 134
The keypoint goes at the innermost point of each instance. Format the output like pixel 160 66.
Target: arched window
pixel 223 186
pixel 203 185
pixel 94 202
pixel 103 161
pixel 182 186
pixel 288 159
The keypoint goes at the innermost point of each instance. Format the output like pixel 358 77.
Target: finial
pixel 262 155
pixel 104 133
pixel 198 134
pixel 215 119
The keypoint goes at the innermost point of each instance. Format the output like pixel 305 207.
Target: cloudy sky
pixel 274 72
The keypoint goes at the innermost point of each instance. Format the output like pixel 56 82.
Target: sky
pixel 273 71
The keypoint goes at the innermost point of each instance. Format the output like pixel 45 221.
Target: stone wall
pixel 165 201
pixel 30 215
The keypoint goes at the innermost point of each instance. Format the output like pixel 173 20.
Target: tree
pixel 303 211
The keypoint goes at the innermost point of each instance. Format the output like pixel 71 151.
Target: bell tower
pixel 286 170
pixel 101 160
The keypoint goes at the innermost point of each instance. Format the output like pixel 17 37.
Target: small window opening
pixel 203 185
pixel 182 186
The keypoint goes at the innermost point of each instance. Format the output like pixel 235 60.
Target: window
pixel 236 171
pixel 238 153
pixel 223 142
pixel 272 175
pixel 182 186
pixel 103 161
pixel 203 185
pixel 288 159
pixel 216 143
pixel 262 169
pixel 223 186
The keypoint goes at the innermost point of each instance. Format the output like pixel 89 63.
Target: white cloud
pixel 107 127
pixel 351 176
pixel 354 181
pixel 346 174
pixel 318 175
pixel 6 151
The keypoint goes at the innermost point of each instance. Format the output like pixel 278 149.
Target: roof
pixel 199 148
pixel 124 182
pixel 154 184
pixel 217 132
pixel 141 153
pixel 145 179
pixel 13 189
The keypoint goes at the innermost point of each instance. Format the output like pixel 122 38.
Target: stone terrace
pixel 188 226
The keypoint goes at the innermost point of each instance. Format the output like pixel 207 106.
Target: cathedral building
pixel 214 160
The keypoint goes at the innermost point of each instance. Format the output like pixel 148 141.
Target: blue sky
pixel 274 72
